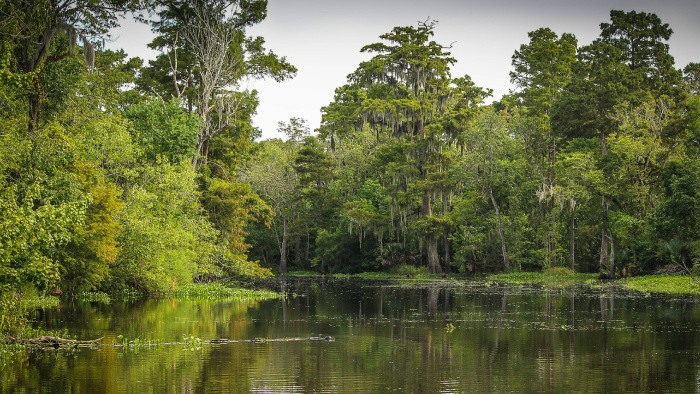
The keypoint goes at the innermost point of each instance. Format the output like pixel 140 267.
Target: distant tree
pixel 404 92
pixel 641 38
pixel 273 177
pixel 542 68
pixel 490 165
pixel 628 63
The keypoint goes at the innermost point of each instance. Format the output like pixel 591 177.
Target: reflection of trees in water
pixel 504 303
pixel 530 342
pixel 283 301
pixel 160 369
pixel 572 321
pixel 433 295
pixel 607 309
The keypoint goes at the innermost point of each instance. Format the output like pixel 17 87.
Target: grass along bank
pixel 214 291
pixel 220 291
pixel 551 277
pixel 403 271
pixel 669 284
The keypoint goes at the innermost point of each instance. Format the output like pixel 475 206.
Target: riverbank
pixel 396 273
pixel 550 278
pixel 553 277
pixel 562 277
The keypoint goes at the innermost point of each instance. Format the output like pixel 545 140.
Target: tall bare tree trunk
pixel 504 250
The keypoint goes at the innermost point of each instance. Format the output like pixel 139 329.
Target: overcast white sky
pixel 322 38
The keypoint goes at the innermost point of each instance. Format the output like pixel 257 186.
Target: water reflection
pixel 388 337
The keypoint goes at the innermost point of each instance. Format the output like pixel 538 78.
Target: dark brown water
pixel 388 337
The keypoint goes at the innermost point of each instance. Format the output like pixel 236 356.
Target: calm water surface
pixel 388 337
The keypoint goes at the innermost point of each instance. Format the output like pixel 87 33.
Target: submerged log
pixel 49 342
pixel 264 340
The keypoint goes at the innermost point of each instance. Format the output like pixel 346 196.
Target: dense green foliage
pixel 107 181
pixel 591 163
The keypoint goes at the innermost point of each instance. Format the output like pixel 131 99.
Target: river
pixel 389 336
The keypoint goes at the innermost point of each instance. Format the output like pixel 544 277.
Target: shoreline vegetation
pixel 550 278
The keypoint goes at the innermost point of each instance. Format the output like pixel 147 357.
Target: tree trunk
pixel 198 151
pixel 205 152
pixel 446 233
pixel 506 261
pixel 611 256
pixel 306 249
pixel 603 250
pixel 283 248
pixel 571 238
pixel 552 212
pixel 432 256
pixel 446 243
pixel 603 237
pixel 297 232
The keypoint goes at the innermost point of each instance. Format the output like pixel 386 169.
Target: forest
pixel 118 173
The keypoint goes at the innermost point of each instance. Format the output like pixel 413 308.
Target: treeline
pixel 591 163
pixel 115 173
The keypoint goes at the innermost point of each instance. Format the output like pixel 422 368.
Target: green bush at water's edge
pixel 669 284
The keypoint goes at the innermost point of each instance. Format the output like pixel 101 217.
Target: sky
pixel 323 38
